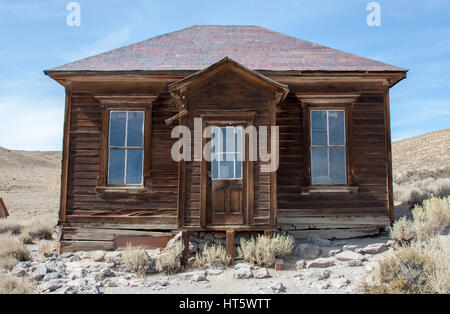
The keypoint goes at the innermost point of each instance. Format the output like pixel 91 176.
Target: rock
pixel 348 256
pixel 199 276
pixel 243 273
pixel 243 265
pixel 113 257
pixel 209 237
pixel 123 282
pixel 109 283
pixel 40 272
pixel 278 288
pixel 50 286
pixel 319 274
pixel 19 272
pixel 173 241
pixel 314 239
pixel 66 255
pixel 350 247
pixel 374 248
pixel 354 263
pixel 261 273
pixel 325 286
pixel 321 263
pixel 306 251
pixel 66 290
pixel 98 256
pixel 341 283
pixel 51 276
pixel 214 272
pixel 334 252
pixel 217 266
pixel 107 272
pixel 190 275
pixel 193 247
pixel 300 264
pixel 219 235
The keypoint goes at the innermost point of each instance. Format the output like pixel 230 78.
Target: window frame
pixel 307 185
pixel 125 148
pixel 102 179
pixel 328 146
pixel 221 153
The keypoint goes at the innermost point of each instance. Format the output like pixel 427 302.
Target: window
pixel 226 153
pixel 126 148
pixel 328 147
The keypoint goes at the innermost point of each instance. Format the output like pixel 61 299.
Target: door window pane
pixel 226 153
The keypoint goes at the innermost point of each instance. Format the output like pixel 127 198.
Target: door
pixel 226 201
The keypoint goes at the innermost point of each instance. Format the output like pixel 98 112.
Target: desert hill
pixel 429 151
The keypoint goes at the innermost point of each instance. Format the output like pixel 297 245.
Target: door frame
pixel 239 117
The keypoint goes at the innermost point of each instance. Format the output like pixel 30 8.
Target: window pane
pixel 238 166
pixel 337 166
pixel 319 165
pixel 135 134
pixel 337 127
pixel 117 128
pixel 238 139
pixel 226 169
pixel 318 127
pixel 215 167
pixel 215 140
pixel 134 166
pixel 116 166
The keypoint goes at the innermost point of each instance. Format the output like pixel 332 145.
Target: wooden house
pixel 121 183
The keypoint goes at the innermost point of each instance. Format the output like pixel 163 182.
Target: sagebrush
pixel 136 260
pixel 15 285
pixel 169 261
pixel 212 254
pixel 263 250
pixel 12 249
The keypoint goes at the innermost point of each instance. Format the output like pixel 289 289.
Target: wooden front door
pixel 226 176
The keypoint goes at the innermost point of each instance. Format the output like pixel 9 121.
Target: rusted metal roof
pixel 197 47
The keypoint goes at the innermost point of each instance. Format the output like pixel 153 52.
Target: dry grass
pixel 408 271
pixel 11 248
pixel 136 260
pixel 421 263
pixel 415 192
pixel 431 218
pixel 8 226
pixel 45 248
pixel 212 254
pixel 40 230
pixel 169 261
pixel 263 251
pixel 15 285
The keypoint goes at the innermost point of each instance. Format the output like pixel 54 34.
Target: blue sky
pixel 34 37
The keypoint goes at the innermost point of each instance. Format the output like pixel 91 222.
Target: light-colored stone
pixel 350 247
pixel 355 263
pixel 374 248
pixel 243 273
pixel 243 265
pixel 261 273
pixel 199 276
pixel 341 283
pixel 334 252
pixel 300 264
pixel 321 263
pixel 306 251
pixel 278 288
pixel 40 272
pixel 348 256
pixel 51 276
pixel 214 272
pixel 314 239
pixel 190 275
pixel 319 274
pixel 98 256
